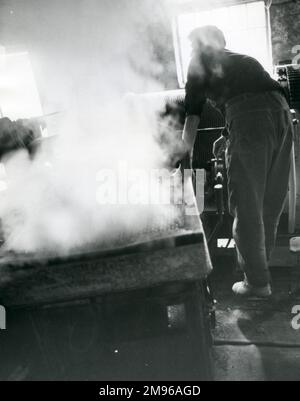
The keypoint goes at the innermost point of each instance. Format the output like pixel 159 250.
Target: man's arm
pixel 195 100
pixel 190 131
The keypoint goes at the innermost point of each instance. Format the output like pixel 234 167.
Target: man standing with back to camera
pixel 258 146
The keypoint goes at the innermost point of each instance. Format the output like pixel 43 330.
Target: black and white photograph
pixel 149 193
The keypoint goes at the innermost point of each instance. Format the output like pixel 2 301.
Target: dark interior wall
pixel 285 24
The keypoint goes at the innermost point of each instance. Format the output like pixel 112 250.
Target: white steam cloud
pixel 50 203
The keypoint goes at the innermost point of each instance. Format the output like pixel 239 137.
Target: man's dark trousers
pixel 258 161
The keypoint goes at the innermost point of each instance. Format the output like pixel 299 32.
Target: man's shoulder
pixel 236 57
pixel 230 53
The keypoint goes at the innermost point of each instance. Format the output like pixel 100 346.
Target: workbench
pixel 136 312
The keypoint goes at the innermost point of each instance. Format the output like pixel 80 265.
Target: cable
pixel 277 344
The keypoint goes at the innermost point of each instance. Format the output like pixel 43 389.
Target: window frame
pixel 192 9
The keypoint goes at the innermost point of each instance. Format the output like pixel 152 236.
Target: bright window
pixel 19 97
pixel 246 29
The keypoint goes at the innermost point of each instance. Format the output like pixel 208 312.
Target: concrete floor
pixel 254 340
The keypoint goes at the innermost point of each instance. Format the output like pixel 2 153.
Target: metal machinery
pixel 288 76
pixel 214 213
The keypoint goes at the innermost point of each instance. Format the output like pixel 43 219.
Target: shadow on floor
pixel 254 339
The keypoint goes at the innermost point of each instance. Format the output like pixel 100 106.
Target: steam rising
pixel 50 204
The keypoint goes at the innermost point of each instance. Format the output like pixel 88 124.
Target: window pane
pixel 220 17
pixel 203 18
pixel 239 41
pixel 256 14
pixel 244 26
pixel 238 17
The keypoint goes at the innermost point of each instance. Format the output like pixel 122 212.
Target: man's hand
pixel 219 146
pixel 180 153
